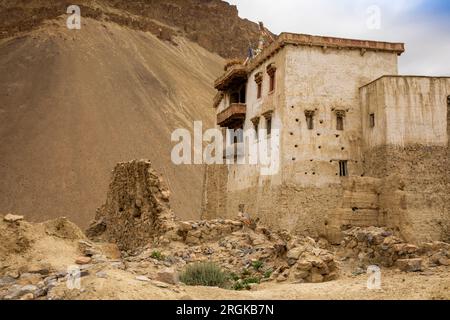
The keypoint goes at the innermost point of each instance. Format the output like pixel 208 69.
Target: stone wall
pixel 215 193
pixel 288 207
pixel 415 194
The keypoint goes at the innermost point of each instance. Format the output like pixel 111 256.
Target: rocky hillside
pixel 213 24
pixel 75 102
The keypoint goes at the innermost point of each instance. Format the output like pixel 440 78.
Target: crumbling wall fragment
pixel 137 207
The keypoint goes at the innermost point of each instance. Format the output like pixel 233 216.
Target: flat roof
pixel 286 38
pixel 404 76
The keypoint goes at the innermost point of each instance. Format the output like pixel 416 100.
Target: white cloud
pixel 426 36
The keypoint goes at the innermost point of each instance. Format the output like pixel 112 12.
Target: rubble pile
pixel 240 250
pixel 374 245
pixel 137 217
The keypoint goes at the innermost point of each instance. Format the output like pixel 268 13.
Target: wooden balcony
pixel 235 75
pixel 233 116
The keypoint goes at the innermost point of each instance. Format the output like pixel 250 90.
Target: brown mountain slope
pixel 213 24
pixel 74 103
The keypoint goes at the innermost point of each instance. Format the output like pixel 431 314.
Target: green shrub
pixel 257 265
pixel 234 276
pixel 242 284
pixel 245 272
pixel 203 274
pixel 268 273
pixel 238 286
pixel 157 255
pixel 251 280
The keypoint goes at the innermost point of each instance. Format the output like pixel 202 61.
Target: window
pixel 372 120
pixel 271 71
pixel 340 120
pixel 234 97
pixel 340 123
pixel 343 168
pixel 258 80
pixel 272 82
pixel 269 125
pixel 255 122
pixel 242 95
pixel 309 119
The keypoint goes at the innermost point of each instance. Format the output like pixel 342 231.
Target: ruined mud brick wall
pixel 137 207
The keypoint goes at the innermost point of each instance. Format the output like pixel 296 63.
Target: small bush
pixel 257 265
pixel 234 276
pixel 252 280
pixel 203 274
pixel 238 286
pixel 157 255
pixel 268 273
pixel 244 284
pixel 245 272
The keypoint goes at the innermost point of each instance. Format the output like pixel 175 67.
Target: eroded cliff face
pixel 213 24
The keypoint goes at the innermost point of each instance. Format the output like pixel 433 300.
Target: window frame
pixel 343 168
pixel 269 125
pixel 259 90
pixel 309 115
pixel 372 120
pixel 272 81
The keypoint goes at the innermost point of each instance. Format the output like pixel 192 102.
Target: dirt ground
pixel 34 256
pixel 431 285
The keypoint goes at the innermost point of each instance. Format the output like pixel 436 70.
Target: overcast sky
pixel 423 25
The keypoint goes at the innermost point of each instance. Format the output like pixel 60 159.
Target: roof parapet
pixel 237 70
pixel 324 42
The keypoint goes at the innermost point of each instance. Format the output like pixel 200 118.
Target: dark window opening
pixel 343 168
pixel 340 123
pixel 238 96
pixel 259 93
pixel 272 81
pixel 269 125
pixel 234 98
pixel 372 120
pixel 242 95
pixel 271 71
pixel 255 122
pixel 309 120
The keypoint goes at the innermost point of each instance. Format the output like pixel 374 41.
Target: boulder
pixel 12 218
pixel 167 275
pixel 295 253
pixel 410 265
pixel 83 260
